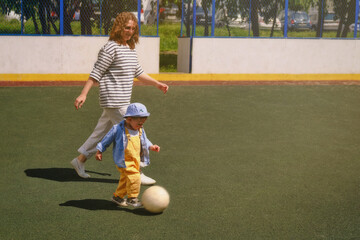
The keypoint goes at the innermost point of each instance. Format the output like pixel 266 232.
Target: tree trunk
pixel 320 20
pixel 255 18
pixel 206 32
pixel 350 17
pixel 35 23
pixel 342 14
pixel 274 22
pixel 188 12
pixel 42 17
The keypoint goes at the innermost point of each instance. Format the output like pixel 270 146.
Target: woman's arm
pixel 80 100
pixel 149 80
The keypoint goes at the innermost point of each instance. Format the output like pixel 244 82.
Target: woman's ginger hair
pixel 119 25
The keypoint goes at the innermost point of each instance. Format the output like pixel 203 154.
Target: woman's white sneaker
pixel 79 168
pixel 146 180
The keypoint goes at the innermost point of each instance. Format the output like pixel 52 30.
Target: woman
pixel 116 67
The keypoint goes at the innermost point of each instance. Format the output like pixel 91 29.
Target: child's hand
pixel 155 148
pixel 98 155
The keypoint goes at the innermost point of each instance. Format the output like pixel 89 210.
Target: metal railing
pixel 74 17
pixel 266 18
pixel 199 18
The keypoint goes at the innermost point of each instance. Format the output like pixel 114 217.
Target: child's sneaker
pixel 119 201
pixel 134 202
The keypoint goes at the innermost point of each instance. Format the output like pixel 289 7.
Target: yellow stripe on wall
pixel 43 77
pixel 256 77
pixel 192 77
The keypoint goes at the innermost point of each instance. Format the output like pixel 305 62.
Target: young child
pixel 131 147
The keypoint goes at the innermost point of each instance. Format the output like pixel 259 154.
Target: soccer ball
pixel 155 199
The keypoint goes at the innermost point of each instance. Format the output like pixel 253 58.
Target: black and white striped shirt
pixel 115 69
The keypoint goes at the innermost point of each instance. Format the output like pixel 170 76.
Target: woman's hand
pixel 80 100
pixel 163 87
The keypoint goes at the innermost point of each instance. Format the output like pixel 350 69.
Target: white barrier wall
pixel 65 55
pixel 272 56
pixel 77 54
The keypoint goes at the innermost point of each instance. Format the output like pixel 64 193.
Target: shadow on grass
pixel 66 175
pixel 99 204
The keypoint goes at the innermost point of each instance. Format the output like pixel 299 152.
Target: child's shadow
pixel 66 175
pixel 99 204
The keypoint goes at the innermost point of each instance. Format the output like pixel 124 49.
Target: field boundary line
pixel 187 79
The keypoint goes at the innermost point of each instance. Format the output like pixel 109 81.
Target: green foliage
pixel 301 5
pixel 168 34
pixel 168 62
pixel 9 27
pixel 241 32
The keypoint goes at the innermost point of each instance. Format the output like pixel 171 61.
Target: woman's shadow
pixel 66 175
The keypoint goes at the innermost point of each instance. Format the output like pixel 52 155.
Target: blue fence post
pixel 286 18
pixel 213 19
pixel 356 18
pixel 193 35
pixel 139 16
pixel 61 18
pixel 22 18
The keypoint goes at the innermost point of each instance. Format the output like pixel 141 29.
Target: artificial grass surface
pixel 239 162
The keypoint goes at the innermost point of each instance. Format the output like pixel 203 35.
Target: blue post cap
pixel 136 110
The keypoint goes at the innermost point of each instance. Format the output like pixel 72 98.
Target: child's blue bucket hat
pixel 136 110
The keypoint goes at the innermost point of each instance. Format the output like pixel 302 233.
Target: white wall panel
pixel 65 55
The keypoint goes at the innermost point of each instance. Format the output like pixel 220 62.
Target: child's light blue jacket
pixel 117 136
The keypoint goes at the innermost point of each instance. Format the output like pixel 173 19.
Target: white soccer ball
pixel 155 199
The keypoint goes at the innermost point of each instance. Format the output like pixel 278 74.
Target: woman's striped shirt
pixel 115 69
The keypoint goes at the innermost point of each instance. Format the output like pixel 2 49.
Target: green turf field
pixel 239 162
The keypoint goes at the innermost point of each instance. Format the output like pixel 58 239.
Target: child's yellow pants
pixel 129 183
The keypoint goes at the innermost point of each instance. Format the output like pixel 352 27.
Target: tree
pixel 301 5
pixel 274 14
pixel 206 7
pixel 226 12
pixel 187 13
pixel 350 17
pixel 269 10
pixel 29 9
pixel 255 18
pixel 346 12
pixel 340 10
